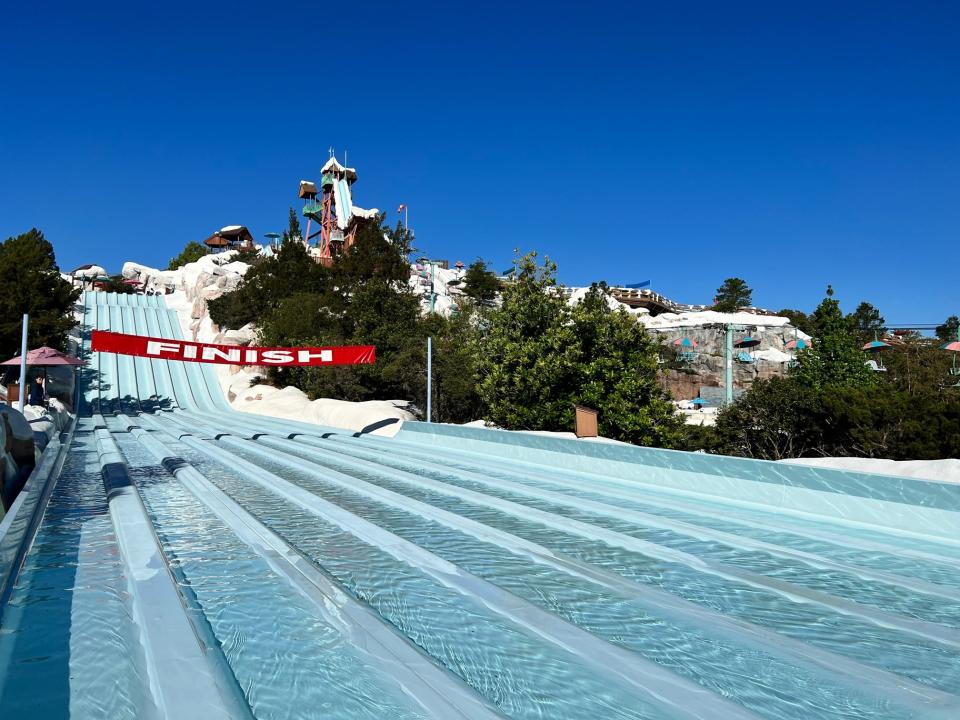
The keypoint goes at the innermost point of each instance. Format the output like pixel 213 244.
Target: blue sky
pixel 791 146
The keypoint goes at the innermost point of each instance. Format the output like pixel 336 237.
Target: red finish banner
pixel 163 349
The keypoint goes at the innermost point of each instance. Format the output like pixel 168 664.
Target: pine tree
pixel 948 331
pixel 293 227
pixel 732 295
pixel 479 282
pixel 867 322
pixel 834 358
pixel 32 284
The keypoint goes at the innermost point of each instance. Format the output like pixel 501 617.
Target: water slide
pixel 173 558
pixel 344 203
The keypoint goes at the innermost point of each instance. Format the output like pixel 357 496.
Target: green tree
pixel 916 365
pixel 293 227
pixel 539 358
pixel 290 271
pixel 32 284
pixel 799 320
pixel 948 331
pixel 480 283
pixel 191 252
pixel 732 295
pixel 834 358
pixel 524 364
pixel 615 370
pixel 777 418
pixel 867 322
pixel 367 301
pixel 888 423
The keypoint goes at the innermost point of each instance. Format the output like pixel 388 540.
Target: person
pixel 37 393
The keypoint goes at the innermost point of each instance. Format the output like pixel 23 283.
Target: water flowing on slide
pixel 173 558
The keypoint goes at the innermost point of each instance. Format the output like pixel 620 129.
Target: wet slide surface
pixel 192 561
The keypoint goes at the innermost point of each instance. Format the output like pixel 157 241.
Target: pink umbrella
pixel 45 356
pixel 954 346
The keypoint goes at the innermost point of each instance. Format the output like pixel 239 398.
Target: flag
pixel 401 208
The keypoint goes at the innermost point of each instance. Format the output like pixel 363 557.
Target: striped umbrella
pixel 797 344
pixel 875 346
pixel 684 343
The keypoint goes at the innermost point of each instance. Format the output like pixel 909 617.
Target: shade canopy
pixel 45 356
pixel 798 344
pixel 700 401
pixel 953 346
pixel 875 345
pixel 747 342
pixel 685 342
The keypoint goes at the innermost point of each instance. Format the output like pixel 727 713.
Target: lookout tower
pixel 333 211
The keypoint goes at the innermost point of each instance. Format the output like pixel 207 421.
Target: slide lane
pixel 428 581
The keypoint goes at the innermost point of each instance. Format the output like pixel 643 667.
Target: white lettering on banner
pixel 156 347
pixel 276 357
pixel 120 343
pixel 305 356
pixel 212 353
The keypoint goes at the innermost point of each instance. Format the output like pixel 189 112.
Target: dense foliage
pixel 363 298
pixel 32 284
pixel 191 252
pixel 834 358
pixel 867 322
pixel 268 282
pixel 540 358
pixel 732 295
pixel 948 331
pixel 479 283
pixel 832 404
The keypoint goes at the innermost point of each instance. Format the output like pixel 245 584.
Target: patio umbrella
pixel 685 342
pixel 875 345
pixel 700 401
pixel 132 282
pixel 747 342
pixel 45 357
pixel 798 344
pixel 953 346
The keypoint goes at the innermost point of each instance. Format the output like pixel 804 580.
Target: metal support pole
pixel 429 379
pixel 728 367
pixel 23 360
pixel 433 291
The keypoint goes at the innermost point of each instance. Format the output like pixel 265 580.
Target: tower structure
pixel 333 211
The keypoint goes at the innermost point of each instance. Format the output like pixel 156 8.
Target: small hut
pixel 231 237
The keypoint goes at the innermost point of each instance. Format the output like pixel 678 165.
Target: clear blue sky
pixel 791 146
